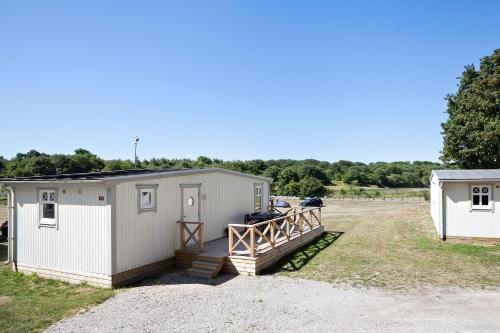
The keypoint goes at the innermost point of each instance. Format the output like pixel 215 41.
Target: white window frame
pixel 47 222
pixel 480 206
pixel 258 189
pixel 141 208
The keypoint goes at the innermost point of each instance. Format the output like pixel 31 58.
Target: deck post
pixel 301 222
pixel 202 237
pixel 319 216
pixel 230 239
pixel 183 240
pixel 272 233
pixel 287 229
pixel 252 242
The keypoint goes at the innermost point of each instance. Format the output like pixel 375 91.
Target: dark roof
pixel 123 174
pixel 484 174
pixel 92 175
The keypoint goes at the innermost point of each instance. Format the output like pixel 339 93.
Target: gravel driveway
pixel 178 303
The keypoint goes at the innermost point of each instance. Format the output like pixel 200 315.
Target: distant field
pixel 3 213
pixel 341 191
pixel 389 244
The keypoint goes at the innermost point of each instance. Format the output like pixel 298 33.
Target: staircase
pixel 206 267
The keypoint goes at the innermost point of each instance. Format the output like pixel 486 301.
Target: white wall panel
pixel 153 236
pixel 81 241
pixel 464 222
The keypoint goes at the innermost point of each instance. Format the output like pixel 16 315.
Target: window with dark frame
pixel 481 196
pixel 48 200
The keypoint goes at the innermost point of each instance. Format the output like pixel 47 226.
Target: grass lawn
pixel 392 245
pixel 29 303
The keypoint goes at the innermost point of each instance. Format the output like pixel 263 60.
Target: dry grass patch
pixel 392 245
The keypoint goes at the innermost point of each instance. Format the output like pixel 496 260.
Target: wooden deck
pixel 216 248
pixel 250 249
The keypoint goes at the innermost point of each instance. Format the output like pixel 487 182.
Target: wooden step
pixel 208 267
pixel 205 273
pixel 210 258
pixel 202 264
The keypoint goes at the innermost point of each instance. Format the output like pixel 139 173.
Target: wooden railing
pixel 197 234
pixel 250 240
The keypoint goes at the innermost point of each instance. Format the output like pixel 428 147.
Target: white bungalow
pixel 465 204
pixel 112 228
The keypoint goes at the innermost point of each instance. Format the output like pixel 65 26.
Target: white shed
pixel 465 204
pixel 110 228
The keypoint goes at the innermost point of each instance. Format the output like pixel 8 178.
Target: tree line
pixel 290 177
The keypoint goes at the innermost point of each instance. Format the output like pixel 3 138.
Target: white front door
pixel 191 204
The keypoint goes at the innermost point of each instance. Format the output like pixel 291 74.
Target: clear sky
pixel 356 80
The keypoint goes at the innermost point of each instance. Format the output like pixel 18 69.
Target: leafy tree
pixel 62 163
pixel 85 161
pixel 42 165
pixel 311 187
pixel 291 189
pixel 472 131
pixel 3 164
pixel 111 165
pixel 272 172
pixel 355 175
pixel 313 171
pixel 287 175
pixel 203 160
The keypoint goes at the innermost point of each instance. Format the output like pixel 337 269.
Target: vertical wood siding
pixel 435 203
pixel 81 242
pixel 153 236
pixel 461 221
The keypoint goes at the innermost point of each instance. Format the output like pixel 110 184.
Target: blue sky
pixel 356 80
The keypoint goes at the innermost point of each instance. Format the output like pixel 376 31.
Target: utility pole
pixel 135 151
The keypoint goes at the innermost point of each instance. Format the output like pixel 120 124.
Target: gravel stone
pixel 176 302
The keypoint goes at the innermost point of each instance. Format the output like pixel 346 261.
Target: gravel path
pixel 177 303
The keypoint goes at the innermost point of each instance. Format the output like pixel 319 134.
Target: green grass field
pixel 391 245
pixel 29 303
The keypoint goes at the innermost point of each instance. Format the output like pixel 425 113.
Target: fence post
pixel 230 239
pixel 271 233
pixel 301 220
pixel 252 242
pixel 202 237
pixel 183 240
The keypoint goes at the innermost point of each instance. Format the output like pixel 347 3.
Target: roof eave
pixel 119 179
pixel 52 181
pixel 471 180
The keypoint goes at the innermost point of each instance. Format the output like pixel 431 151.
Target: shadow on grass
pixel 290 263
pixel 302 256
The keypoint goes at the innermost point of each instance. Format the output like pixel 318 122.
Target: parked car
pixel 5 231
pixel 282 204
pixel 312 202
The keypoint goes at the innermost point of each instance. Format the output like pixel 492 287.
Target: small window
pixel 146 198
pixel 258 198
pixel 48 201
pixel 481 197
